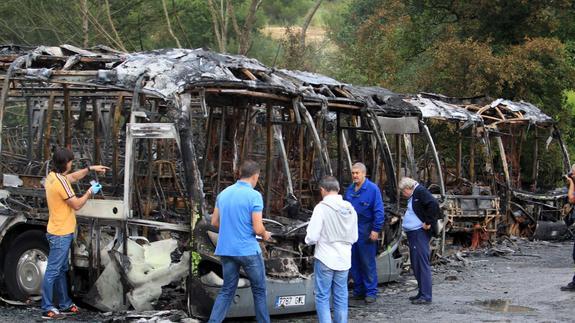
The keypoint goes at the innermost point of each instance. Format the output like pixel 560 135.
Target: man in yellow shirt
pixel 62 202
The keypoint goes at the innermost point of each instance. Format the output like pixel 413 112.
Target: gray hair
pixel 573 167
pixel 360 166
pixel 329 183
pixel 407 182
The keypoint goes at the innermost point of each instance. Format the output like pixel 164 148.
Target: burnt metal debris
pixel 485 176
pixel 175 124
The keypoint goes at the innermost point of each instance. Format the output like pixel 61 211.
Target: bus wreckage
pixel 174 125
pixel 491 189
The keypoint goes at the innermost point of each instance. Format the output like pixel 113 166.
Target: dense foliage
pixel 517 49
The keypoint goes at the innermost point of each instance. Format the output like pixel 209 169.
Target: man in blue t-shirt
pixel 366 199
pixel 238 215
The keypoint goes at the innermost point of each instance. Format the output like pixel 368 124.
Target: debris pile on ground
pixel 148 317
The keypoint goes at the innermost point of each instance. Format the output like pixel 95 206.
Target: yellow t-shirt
pixel 62 219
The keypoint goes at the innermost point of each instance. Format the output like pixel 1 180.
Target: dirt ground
pixel 517 281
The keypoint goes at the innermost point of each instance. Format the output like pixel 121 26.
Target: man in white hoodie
pixel 333 229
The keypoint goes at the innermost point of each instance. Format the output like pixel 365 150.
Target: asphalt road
pixel 520 284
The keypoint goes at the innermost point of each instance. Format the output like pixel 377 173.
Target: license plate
pixel 286 301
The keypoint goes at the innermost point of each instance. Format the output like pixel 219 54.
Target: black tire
pixel 22 268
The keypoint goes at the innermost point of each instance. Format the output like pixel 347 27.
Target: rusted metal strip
pixel 5 88
pixel 385 152
pixel 30 113
pixel 565 153
pixel 115 137
pixel 67 119
pixel 249 74
pixel 339 161
pixel 346 150
pixel 427 134
pixel 505 166
pixel 96 159
pixel 535 170
pixel 220 148
pixel 472 145
pixel 324 159
pixel 459 154
pixel 410 155
pixel 284 157
pixel 209 127
pixel 249 93
pixel 398 165
pixel 48 128
pixel 269 152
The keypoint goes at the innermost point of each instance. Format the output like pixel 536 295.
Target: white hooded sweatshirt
pixel 333 229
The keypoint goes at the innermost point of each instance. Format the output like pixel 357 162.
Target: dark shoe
pixel 53 315
pixel 569 287
pixel 72 310
pixel 369 300
pixel 420 301
pixel 357 297
pixel 412 298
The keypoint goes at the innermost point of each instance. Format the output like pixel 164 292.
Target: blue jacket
pixel 368 204
pixel 424 205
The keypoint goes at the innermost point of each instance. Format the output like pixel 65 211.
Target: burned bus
pixel 503 163
pixel 174 125
pixel 471 203
pixel 530 161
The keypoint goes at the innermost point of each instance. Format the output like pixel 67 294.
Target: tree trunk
pixel 244 33
pixel 169 24
pixel 217 23
pixel 109 16
pixel 85 26
pixel 308 19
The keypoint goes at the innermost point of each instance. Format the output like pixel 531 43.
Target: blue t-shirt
pixel 236 204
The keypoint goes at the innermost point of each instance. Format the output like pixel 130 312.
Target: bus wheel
pixel 26 264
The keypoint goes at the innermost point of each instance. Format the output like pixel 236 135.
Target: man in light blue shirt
pixel 238 215
pixel 422 209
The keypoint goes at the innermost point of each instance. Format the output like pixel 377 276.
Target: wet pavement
pixel 516 282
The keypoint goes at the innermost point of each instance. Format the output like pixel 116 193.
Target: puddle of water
pixel 503 306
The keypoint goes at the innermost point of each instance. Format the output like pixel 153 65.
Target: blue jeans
pixel 330 282
pixel 419 254
pixel 363 267
pixel 255 270
pixel 55 276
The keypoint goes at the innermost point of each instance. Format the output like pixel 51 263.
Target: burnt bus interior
pixel 65 109
pixel 276 135
pixel 500 159
pixel 173 126
pixel 530 160
pixel 347 120
pixel 471 204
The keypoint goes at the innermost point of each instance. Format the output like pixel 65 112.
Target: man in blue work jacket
pixel 365 197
